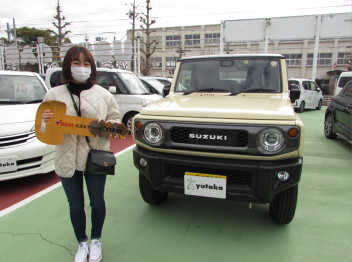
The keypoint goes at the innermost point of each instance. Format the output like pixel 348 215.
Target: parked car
pixel 21 153
pixel 341 82
pixel 311 95
pixel 153 85
pixel 129 92
pixel 338 115
pixel 164 80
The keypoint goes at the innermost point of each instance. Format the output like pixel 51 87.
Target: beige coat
pixel 95 102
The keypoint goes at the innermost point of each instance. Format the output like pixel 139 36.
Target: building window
pixel 344 58
pixel 324 59
pixel 192 40
pixel 171 62
pixel 213 38
pixel 157 62
pixel 293 59
pixel 173 40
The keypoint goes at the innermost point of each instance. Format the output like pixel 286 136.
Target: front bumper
pixel 33 157
pixel 247 180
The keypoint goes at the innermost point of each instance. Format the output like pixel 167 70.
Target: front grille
pixel 234 177
pixel 15 140
pixel 28 163
pixel 211 137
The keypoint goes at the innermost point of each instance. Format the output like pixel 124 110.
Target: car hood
pixel 17 119
pixel 243 106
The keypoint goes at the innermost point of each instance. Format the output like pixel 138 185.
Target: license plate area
pixel 206 185
pixel 8 164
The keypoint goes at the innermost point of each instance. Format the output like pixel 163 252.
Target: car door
pixel 314 92
pixel 343 103
pixel 307 93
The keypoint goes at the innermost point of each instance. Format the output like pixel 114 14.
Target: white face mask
pixel 80 74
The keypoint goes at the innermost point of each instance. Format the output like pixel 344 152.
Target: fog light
pixel 143 162
pixel 283 176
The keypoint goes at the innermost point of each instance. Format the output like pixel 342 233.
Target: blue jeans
pixel 73 187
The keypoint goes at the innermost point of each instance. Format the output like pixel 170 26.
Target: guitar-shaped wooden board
pixel 52 131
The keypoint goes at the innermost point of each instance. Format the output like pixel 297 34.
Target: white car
pixel 129 92
pixel 21 153
pixel 311 95
pixel 341 82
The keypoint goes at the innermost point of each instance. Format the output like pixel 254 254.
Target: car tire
pixel 329 127
pixel 149 195
pixel 127 120
pixel 301 107
pixel 282 208
pixel 319 104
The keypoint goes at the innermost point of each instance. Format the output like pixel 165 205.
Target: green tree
pixel 29 36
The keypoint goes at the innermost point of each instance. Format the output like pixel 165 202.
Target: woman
pixel 93 101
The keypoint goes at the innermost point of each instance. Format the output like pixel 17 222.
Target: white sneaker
pixel 82 253
pixel 95 251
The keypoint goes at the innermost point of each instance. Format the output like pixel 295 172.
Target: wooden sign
pixel 52 131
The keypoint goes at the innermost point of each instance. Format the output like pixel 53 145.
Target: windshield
pixel 230 74
pixel 21 89
pixel 155 83
pixel 133 84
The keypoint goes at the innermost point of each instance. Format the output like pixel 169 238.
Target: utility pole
pixel 8 31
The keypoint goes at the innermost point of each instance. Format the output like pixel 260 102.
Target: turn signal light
pixel 138 125
pixel 293 132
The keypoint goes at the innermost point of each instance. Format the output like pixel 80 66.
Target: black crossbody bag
pixel 98 161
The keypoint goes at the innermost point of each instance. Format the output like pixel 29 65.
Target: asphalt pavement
pixel 188 228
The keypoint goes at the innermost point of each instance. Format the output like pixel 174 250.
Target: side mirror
pixel 294 94
pixel 166 90
pixel 112 89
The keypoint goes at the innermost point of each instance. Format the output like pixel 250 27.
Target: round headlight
pixel 271 140
pixel 153 133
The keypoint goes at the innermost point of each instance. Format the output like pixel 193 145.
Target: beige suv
pixel 225 129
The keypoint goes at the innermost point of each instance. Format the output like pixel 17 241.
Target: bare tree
pixel 132 14
pixel 148 45
pixel 60 25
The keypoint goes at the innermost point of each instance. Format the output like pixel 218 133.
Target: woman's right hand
pixel 47 115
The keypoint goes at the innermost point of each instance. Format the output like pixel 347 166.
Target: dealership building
pixel 316 46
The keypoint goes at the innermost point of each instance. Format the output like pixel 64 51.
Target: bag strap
pixel 78 111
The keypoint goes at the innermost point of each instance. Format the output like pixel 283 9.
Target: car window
pixel 229 74
pixel 306 85
pixel 21 89
pixel 56 79
pixel 313 86
pixel 348 90
pixel 343 80
pixel 293 84
pixel 105 80
pixel 132 83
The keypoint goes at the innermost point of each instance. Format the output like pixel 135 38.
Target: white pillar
pixel 316 47
pixel 222 45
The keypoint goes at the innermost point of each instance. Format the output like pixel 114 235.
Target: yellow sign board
pixel 52 131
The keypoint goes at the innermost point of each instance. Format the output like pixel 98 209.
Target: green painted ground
pixel 197 229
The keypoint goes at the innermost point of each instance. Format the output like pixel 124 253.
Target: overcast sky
pixel 107 18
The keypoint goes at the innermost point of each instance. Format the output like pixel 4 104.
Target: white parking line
pixel 43 192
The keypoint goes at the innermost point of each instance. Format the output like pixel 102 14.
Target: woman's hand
pixel 46 115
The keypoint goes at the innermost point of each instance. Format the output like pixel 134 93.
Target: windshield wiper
pixel 206 90
pixel 254 90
